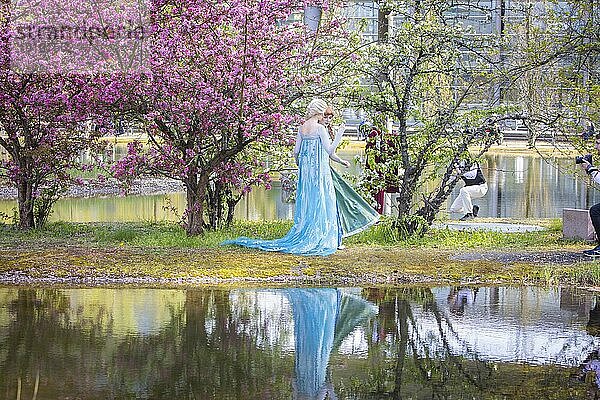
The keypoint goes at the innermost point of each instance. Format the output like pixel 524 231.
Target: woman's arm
pixel 297 146
pixel 329 146
pixel 337 159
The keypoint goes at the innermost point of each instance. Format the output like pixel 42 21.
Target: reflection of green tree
pixel 41 347
pixel 403 364
pixel 185 359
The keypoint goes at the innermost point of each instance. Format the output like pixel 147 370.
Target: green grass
pixel 142 234
pixel 167 234
pixel 384 234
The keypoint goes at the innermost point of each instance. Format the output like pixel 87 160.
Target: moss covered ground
pixel 162 253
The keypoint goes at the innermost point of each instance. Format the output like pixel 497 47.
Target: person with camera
pixel 475 188
pixel 585 162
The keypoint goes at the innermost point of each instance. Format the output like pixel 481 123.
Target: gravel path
pixel 548 257
pixel 17 277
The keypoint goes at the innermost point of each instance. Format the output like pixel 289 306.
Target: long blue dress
pixel 315 314
pixel 317 229
pixel 323 318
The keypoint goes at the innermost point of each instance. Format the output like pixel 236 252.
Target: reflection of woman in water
pixel 315 313
pixel 322 320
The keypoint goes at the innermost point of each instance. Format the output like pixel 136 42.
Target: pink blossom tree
pixel 35 117
pixel 55 62
pixel 223 78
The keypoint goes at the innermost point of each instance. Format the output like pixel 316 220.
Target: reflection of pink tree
pixel 223 77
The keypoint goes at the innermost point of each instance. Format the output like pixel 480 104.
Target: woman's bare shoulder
pixel 308 130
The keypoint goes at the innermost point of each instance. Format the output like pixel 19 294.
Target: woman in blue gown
pixel 318 228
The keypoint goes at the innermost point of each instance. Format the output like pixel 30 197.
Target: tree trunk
pixel 195 197
pixel 431 205
pixel 402 315
pixel 428 212
pixel 405 197
pixel 25 202
pixel 214 205
pixel 231 204
pixel 43 210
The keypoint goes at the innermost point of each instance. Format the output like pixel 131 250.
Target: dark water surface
pixel 316 343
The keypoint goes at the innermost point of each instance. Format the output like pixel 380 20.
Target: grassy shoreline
pixel 161 254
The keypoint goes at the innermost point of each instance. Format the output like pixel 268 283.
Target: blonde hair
pixel 316 106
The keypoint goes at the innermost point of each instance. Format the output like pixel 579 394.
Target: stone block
pixel 577 224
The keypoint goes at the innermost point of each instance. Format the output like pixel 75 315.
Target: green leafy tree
pixel 435 79
pixel 558 70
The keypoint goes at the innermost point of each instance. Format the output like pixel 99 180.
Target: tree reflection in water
pixel 426 366
pixel 374 343
pixel 200 353
pixel 439 363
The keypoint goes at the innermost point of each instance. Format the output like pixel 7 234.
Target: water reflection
pixel 536 327
pixel 532 187
pixel 323 318
pixel 142 312
pixel 315 343
pixel 460 297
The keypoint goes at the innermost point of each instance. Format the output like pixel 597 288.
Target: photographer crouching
pixel 586 164
pixel 475 188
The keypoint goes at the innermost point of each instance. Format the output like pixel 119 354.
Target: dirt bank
pixel 48 264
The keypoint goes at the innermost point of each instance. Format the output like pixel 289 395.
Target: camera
pixel 581 159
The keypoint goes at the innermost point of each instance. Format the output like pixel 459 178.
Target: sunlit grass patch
pixel 385 234
pixel 170 234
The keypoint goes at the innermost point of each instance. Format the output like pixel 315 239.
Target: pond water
pixel 519 187
pixel 345 343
